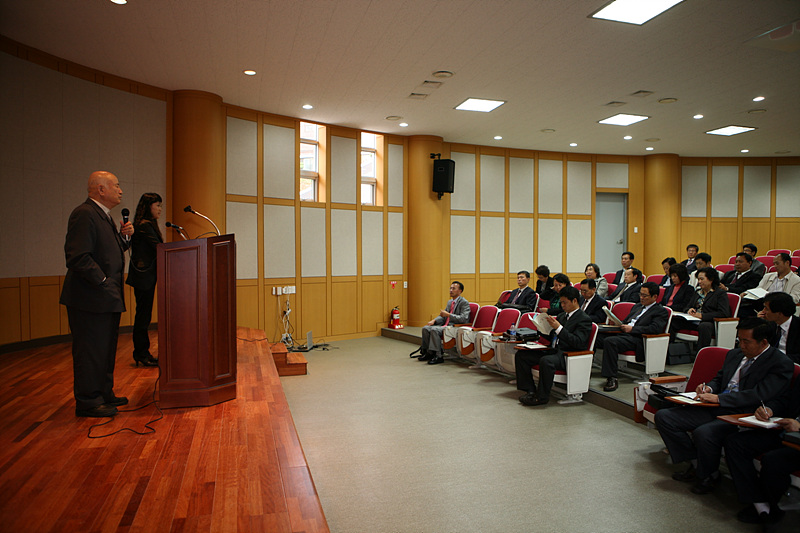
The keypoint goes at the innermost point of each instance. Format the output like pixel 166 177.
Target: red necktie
pixel 452 304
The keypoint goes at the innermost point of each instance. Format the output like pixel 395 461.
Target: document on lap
pixel 612 317
pixel 542 324
pixel 771 423
pixel 686 316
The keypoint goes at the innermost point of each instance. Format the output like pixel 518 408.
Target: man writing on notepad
pixel 751 374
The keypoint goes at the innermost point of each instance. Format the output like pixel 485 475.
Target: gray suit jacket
pixel 460 312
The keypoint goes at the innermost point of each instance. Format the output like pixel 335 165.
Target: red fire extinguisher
pixel 394 323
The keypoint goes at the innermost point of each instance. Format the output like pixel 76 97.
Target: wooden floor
pixel 237 466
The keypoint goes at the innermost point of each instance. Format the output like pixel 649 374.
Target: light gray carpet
pixel 395 445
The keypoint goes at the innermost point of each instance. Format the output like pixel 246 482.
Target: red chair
pixel 485 340
pixel 505 353
pixel 465 336
pixel 610 276
pixel 621 310
pixel 722 269
pixel 796 261
pixel 655 350
pixel 655 278
pixel 731 259
pixel 796 253
pixel 577 285
pixel 611 288
pixel 449 333
pixel 766 259
pixel 661 291
pixel 779 251
pixel 504 296
pixel 579 370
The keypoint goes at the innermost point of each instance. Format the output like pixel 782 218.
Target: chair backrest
pixel 722 269
pixel 473 312
pixel 796 260
pixel 577 285
pixel 731 259
pixel 621 310
pixel 610 276
pixel 795 374
pixel 661 291
pixel 526 321
pixel 766 259
pixel 772 269
pixel 669 319
pixel 796 253
pixel 706 365
pixel 485 317
pixel 611 288
pixel 777 251
pixel 505 319
pixel 592 337
pixel 655 278
pixel 734 300
pixel 504 296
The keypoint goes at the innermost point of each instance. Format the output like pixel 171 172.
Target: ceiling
pixel 357 62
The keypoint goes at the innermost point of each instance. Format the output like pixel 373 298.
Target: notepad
pixel 771 423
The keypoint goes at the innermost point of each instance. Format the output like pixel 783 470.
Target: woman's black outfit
pixel 142 277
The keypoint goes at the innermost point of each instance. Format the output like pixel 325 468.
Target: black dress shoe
pixel 145 359
pixel 436 360
pixel 532 401
pixel 704 486
pixel 98 411
pixel 687 475
pixel 117 401
pixel 427 356
pixel 749 515
pixel 611 385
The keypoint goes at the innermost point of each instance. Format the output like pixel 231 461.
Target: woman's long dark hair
pixel 143 211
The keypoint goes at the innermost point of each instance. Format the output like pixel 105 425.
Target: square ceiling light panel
pixel 622 119
pixel 730 130
pixel 633 11
pixel 479 104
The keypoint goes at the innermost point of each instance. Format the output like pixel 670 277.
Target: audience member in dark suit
pixel 456 311
pixel 592 303
pixel 629 290
pixel 553 307
pixel 707 303
pixel 701 261
pixel 92 292
pixel 523 297
pixel 762 492
pixel 757 266
pixel 666 281
pixel 679 294
pixel 741 278
pixel 647 317
pixel 571 331
pixel 626 260
pixel 691 253
pixel 592 271
pixel 753 373
pixel 142 272
pixel 779 308
pixel 544 283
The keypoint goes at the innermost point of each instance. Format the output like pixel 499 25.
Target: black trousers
pixel 141 321
pixel 613 344
pixel 777 464
pixel 548 363
pixel 94 352
pixel 705 330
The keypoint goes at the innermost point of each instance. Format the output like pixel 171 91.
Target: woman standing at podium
pixel 142 273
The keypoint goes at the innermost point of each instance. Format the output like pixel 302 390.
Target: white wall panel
pixel 395 178
pixel 463 196
pixel 757 191
pixel 788 191
pixel 579 245
pixel 343 170
pixel 520 245
pixel 493 183
pixel 551 190
pixel 371 243
pixel 462 244
pixel 279 238
pixel 312 242
pixel 343 243
pixel 520 185
pixel 612 175
pixel 694 191
pixel 493 245
pixel 395 244
pixel 116 145
pixel 550 244
pixel 724 191
pixel 241 157
pixel 280 162
pixel 579 188
pixel 242 219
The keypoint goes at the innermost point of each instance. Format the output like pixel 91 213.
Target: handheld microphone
pixel 125 214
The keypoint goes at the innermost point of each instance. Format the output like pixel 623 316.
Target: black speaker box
pixel 444 174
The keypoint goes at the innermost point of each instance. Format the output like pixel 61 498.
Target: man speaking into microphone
pixel 92 292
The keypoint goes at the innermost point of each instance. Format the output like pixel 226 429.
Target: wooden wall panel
pixel 724 241
pixel 45 319
pixel 693 231
pixel 10 325
pixel 490 289
pixel 313 308
pixel 787 234
pixel 344 307
pixel 373 314
pixel 757 232
pixel 247 303
pixel 273 307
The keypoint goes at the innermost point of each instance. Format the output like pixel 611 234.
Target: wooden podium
pixel 197 321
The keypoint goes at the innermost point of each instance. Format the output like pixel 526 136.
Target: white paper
pixel 612 317
pixel 686 316
pixel 755 294
pixel 542 324
pixel 756 422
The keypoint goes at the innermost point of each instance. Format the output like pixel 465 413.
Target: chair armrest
pixel 654 335
pixel 497 334
pixel 460 325
pixel 573 354
pixel 660 380
pixel 481 329
pixel 729 319
pixel 509 341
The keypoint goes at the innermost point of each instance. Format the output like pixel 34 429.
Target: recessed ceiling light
pixel 627 137
pixel 119 2
pixel 573 144
pixel 649 148
pixel 744 151
pixel 667 100
pixel 757 111
pixel 497 137
pixel 548 130
pixel 730 130
pixel 622 119
pixel 442 74
pixel 393 117
pixel 759 98
pixel 633 11
pixel 308 106
pixel 250 72
pixel 697 117
pixel 403 124
pixel 479 104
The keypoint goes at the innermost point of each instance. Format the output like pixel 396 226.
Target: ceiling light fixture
pixel 442 74
pixel 393 117
pixel 479 104
pixel 249 72
pixel 548 130
pixel 667 100
pixel 633 11
pixel 730 130
pixel 622 119
pixel 697 117
pixel 757 111
pixel 497 137
pixel 759 99
pixel 649 148
pixel 403 124
pixel 573 144
pixel 308 106
pixel 119 2
pixel 744 150
pixel 627 137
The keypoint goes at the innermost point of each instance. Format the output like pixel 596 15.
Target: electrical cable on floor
pixel 147 425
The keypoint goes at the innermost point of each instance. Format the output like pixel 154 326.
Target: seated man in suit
pixel 762 492
pixel 456 311
pixel 592 304
pixel 523 297
pixel 779 308
pixel 758 267
pixel 647 317
pixel 665 264
pixel 707 303
pixel 544 283
pixel 701 261
pixel 626 260
pixel 689 262
pixel 783 280
pixel 629 290
pixel 741 278
pixel 571 331
pixel 679 294
pixel 752 373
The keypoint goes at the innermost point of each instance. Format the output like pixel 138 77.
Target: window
pixel 369 156
pixel 309 162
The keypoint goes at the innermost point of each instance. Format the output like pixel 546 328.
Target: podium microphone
pixel 125 214
pixel 188 209
pixel 177 228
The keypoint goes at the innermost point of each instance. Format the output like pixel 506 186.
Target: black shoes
pixel 685 476
pixel 145 359
pixel 436 360
pixel 427 356
pixel 704 486
pixel 116 401
pixel 531 400
pixel 98 411
pixel 612 384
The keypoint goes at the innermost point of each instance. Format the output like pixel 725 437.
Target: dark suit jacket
pixel 629 295
pixel 94 250
pixel 748 280
pixel 142 267
pixel 595 310
pixel 793 340
pixel 689 268
pixel 545 290
pixel 575 334
pixel 716 305
pixel 766 380
pixel 525 303
pixel 682 300
pixel 653 321
pixel 758 267
pixel 620 276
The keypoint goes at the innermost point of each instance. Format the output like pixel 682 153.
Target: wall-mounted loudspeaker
pixel 444 174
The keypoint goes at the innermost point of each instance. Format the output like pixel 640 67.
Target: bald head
pixel 104 187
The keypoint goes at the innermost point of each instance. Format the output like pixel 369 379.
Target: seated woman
pixel 593 272
pixel 708 303
pixel 679 293
pixel 559 282
pixel 666 280
pixel 544 283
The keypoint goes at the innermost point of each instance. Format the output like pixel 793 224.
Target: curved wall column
pixel 662 210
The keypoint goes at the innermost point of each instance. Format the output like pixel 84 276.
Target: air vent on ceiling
pixel 614 103
pixel 418 96
pixel 431 84
pixel 641 94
